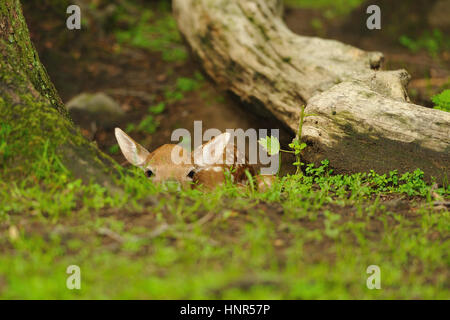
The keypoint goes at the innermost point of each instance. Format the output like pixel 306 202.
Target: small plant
pixel 131 127
pixel 148 124
pixel 187 84
pixel 173 96
pixel 153 34
pixel 434 42
pixel 157 109
pixel 442 101
pixel 272 144
pixel 114 149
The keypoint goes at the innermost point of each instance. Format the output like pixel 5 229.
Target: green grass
pixel 157 109
pixel 442 101
pixel 310 236
pixel 331 8
pixel 151 29
pixel 434 42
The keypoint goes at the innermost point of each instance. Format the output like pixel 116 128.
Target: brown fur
pixel 207 174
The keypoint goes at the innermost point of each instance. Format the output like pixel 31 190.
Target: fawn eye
pixel 148 173
pixel 191 174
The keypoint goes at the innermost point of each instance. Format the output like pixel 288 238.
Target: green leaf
pixel 442 100
pixel 159 108
pixel 271 144
pixel 114 149
pixel 131 127
pixel 187 84
pixel 148 124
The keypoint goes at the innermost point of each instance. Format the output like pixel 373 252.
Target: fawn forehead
pixel 163 155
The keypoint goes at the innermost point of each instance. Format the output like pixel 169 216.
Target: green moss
pixel 32 115
pixel 23 59
pixel 33 123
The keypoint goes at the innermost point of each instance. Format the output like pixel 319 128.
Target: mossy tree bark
pixel 363 117
pixel 32 114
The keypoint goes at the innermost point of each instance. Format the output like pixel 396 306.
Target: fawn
pixel 206 166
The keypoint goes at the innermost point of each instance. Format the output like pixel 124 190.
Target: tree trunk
pixel 31 112
pixel 363 118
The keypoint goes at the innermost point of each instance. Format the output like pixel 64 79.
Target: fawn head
pixel 157 165
pixel 172 163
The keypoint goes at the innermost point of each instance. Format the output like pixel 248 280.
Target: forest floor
pixel 310 236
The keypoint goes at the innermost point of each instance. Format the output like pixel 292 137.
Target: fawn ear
pixel 133 151
pixel 213 151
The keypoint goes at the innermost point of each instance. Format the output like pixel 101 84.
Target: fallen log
pixel 363 116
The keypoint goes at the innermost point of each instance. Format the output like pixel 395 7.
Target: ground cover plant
pixel 311 236
pixel 442 100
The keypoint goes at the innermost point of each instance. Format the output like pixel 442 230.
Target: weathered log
pixel 364 119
